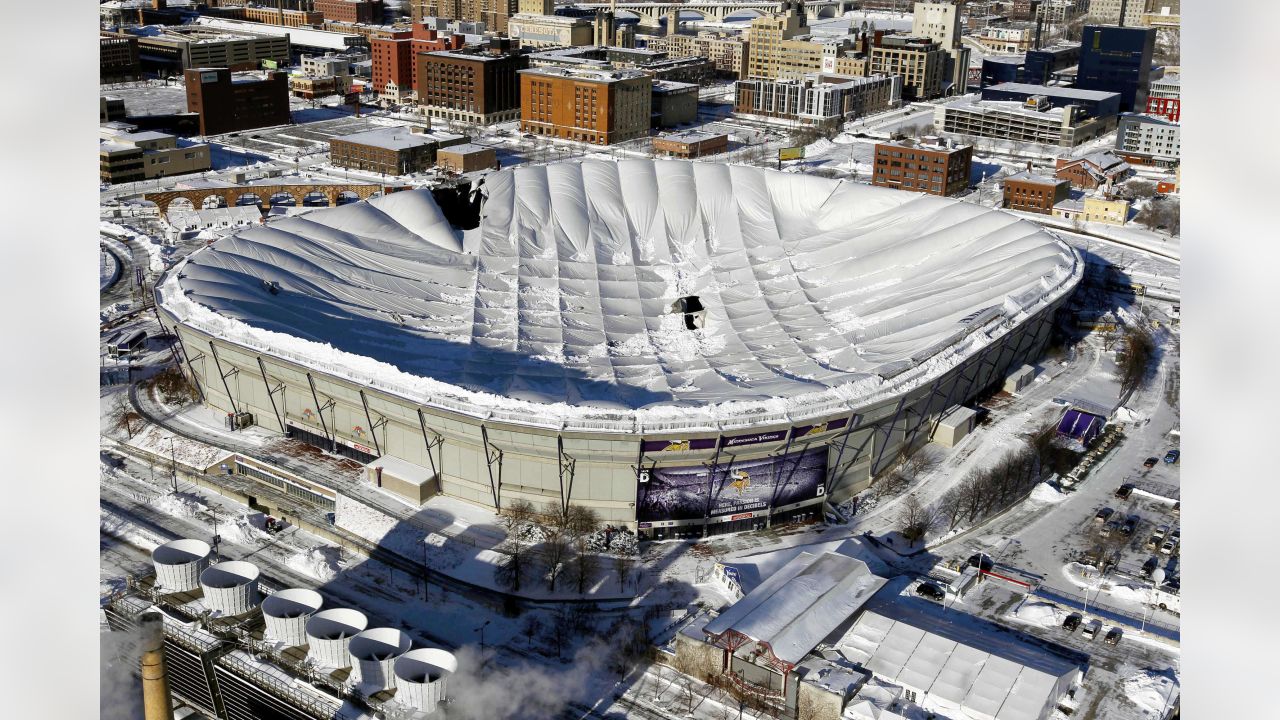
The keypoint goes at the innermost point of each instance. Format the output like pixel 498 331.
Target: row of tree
pixel 550 542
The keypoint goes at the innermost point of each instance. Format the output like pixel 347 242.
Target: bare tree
pixel 917 519
pixel 583 568
pixel 622 567
pixel 1138 189
pixel 126 418
pixel 532 628
pixel 554 550
pixel 519 512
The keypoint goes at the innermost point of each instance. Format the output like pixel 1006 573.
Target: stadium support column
pixel 433 440
pixel 320 412
pixel 567 466
pixel 711 480
pixel 271 393
pixel 373 427
pixel 191 369
pixel 875 464
pixel 928 400
pixel 492 454
pixel 835 468
pixel 224 375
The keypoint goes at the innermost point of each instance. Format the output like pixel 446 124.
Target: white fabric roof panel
pixel 967 669
pixel 810 285
pixel 800 604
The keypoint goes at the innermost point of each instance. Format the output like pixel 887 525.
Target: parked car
pixel 1072 622
pixel 1109 528
pixel 1091 630
pixel 1150 462
pixel 1177 509
pixel 1150 565
pixel 1113 636
pixel 982 561
pixel 1103 515
pixel 1167 547
pixel 931 591
pixel 1130 524
pixel 1152 543
pixel 1172 456
pixel 1176 536
pixel 1124 491
pixel 1161 532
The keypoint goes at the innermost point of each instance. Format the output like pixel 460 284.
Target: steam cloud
pixel 526 691
pixel 119 682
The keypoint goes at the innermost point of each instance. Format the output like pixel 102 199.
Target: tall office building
pixel 1117 59
pixel 940 20
pixel 766 37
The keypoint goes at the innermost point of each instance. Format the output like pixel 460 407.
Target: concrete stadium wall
pixel 604 475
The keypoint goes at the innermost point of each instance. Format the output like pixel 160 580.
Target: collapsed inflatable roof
pixel 574 289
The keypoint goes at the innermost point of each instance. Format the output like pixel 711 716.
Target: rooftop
pixel 1053 91
pixel 590 75
pixel 390 138
pixel 488 321
pixel 465 149
pixel 1028 177
pixel 798 606
pixel 691 136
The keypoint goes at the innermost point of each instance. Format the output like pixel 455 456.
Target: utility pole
pixel 173 459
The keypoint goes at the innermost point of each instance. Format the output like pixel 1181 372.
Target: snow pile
pixel 180 505
pixel 550 329
pixel 1044 493
pixel 1040 613
pixel 1151 690
pixel 319 562
pixel 168 448
pixel 378 528
pixel 617 542
pixel 128 532
pixel 245 529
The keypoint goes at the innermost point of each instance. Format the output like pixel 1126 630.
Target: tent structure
pixel 1081 426
pixel 953 665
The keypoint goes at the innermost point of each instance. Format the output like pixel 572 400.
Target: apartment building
pixel 919 61
pixel 1164 97
pixel 125 155
pixel 1034 193
pixel 228 102
pixel 770 35
pixel 1149 140
pixel 727 51
pixel 495 14
pixel 935 169
pixel 818 99
pixel 596 106
pixel 281 16
pixel 474 85
pixel 940 21
pixel 1033 121
pixel 1006 38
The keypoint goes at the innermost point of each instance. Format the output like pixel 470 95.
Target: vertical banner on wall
pixel 691 492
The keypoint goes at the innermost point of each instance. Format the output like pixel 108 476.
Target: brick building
pixel 690 144
pixel 118 58
pixel 390 151
pixel 394 56
pixel 229 103
pixel 467 158
pixel 352 11
pixel 1098 169
pixel 268 15
pixel 493 13
pixel 595 106
pixel 1034 193
pixel 474 85
pixel 931 169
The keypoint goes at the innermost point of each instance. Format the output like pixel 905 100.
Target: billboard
pixel 695 491
pixel 790 153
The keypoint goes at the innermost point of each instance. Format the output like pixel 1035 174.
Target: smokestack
pixel 1039 29
pixel 157 703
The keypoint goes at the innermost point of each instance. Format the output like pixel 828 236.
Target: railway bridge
pixel 650 13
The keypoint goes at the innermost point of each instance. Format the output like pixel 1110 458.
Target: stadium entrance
pixel 323 443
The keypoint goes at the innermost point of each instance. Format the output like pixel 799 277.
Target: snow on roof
pixel 801 604
pixel 958 661
pixel 390 138
pixel 1029 177
pixel 819 293
pixel 464 149
pixel 1054 91
pixel 403 470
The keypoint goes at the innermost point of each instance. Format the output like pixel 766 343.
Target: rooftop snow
pixel 558 307
pixel 1054 91
pixel 800 604
pixel 390 138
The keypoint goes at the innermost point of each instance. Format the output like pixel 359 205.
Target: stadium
pixel 688 348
